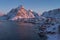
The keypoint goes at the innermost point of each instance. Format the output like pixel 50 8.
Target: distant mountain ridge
pixel 55 13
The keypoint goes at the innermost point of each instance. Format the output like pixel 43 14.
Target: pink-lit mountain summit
pixel 18 13
pixel 21 12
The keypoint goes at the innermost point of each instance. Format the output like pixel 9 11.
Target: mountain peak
pixel 21 7
pixel 21 12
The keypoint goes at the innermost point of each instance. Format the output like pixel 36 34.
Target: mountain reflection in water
pixel 19 31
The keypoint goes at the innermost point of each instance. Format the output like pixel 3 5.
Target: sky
pixel 38 6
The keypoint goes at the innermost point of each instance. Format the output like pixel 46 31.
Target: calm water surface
pixel 21 31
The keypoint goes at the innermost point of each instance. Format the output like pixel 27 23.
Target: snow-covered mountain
pixel 52 13
pixel 52 24
pixel 20 12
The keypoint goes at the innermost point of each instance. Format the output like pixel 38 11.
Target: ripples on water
pixel 22 31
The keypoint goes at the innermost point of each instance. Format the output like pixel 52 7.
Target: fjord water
pixel 10 30
pixel 17 31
